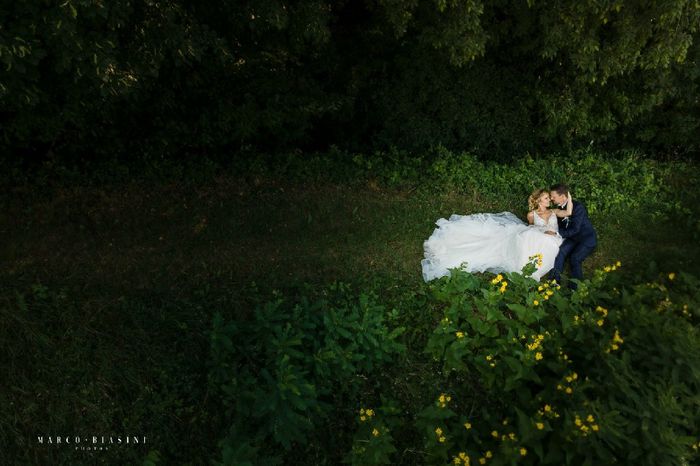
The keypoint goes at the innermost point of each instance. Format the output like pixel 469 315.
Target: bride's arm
pixel 531 217
pixel 569 207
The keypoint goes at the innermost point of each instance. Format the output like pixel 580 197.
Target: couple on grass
pixel 504 243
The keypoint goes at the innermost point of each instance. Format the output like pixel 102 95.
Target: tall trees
pixel 498 78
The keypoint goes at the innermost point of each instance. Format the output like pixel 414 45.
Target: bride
pixel 496 242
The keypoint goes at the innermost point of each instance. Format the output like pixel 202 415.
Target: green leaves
pixel 278 370
pixel 591 376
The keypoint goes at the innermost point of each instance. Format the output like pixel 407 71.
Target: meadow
pixel 115 286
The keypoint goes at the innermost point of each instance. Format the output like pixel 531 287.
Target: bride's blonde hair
pixel 535 197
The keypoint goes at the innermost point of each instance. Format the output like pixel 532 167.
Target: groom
pixel 579 236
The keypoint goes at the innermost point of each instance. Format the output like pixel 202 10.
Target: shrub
pixel 280 374
pixel 607 374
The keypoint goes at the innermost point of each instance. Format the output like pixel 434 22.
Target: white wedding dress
pixel 489 242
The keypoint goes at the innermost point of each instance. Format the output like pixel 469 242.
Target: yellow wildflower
pixel 578 421
pixel 540 425
pixel 442 439
pixel 467 425
pixel 494 433
pixel 618 263
pixel 538 356
pixel 459 334
pixel 590 418
pixel 568 390
pixel 523 451
pixel 607 268
pixel 488 454
pixel 547 408
pixel 375 432
pixel 600 322
pixel 482 460
pixel 497 279
pixel 595 427
pixel 617 338
pixel 511 436
pixel 363 419
pixel 536 303
pixel 671 276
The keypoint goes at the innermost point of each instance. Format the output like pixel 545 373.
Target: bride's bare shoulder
pixel 531 216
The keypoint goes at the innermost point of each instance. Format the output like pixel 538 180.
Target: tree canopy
pixel 497 78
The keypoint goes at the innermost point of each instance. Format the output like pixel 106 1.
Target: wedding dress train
pixel 489 242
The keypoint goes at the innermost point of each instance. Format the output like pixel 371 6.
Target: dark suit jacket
pixel 578 226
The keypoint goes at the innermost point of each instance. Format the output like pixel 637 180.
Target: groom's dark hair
pixel 560 188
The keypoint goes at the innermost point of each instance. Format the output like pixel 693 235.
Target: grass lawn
pixel 106 294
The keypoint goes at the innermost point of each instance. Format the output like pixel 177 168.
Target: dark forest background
pixel 93 79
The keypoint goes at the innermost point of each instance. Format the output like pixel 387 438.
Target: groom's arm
pixel 575 223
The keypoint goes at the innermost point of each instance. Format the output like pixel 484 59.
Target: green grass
pixel 115 340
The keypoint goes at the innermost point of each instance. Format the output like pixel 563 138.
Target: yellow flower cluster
pixel 462 458
pixel 487 455
pixel 443 400
pixel 616 342
pixel 490 360
pixel 537 257
pixel 565 357
pixel 604 312
pixel 366 414
pixel 536 342
pixel 610 268
pixel 504 437
pixel 438 432
pixel 545 292
pixel 499 279
pixel 586 429
pixel 685 310
pixel 375 432
pixel 570 379
pixel 547 411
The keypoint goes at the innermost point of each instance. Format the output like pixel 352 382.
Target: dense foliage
pixel 495 78
pixel 522 371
